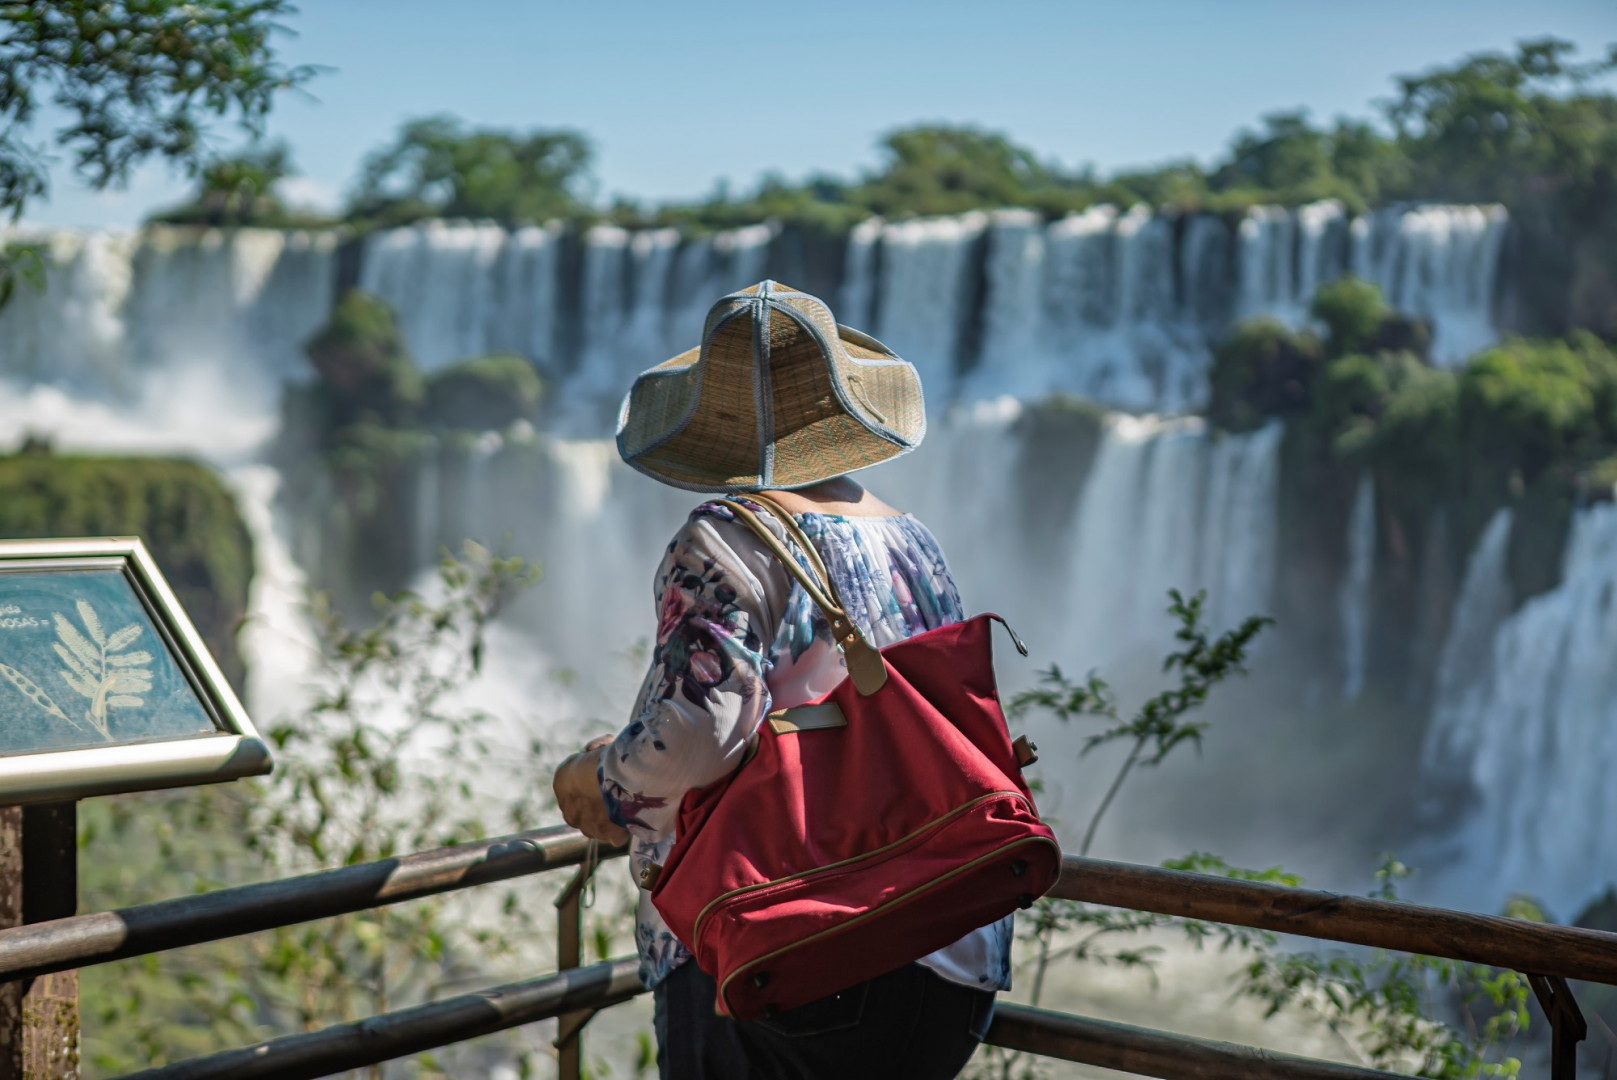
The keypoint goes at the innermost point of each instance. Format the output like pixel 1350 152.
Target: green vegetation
pixel 180 508
pixel 1391 1011
pixel 140 79
pixel 366 373
pixel 438 168
pixel 383 759
pixel 241 189
pixel 354 440
pixel 477 395
pixel 1528 423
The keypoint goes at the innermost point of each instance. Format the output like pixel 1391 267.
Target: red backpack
pixel 868 828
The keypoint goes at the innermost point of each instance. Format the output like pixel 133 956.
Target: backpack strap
pixel 865 666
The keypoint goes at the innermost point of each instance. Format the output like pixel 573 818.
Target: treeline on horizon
pixel 1535 130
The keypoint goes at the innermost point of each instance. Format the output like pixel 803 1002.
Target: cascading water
pixel 1120 307
pixel 1353 598
pixel 1440 262
pixel 1089 305
pixel 997 309
pixel 120 311
pixel 1531 728
pixel 1168 504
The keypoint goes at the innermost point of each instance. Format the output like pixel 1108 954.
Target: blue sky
pixel 676 96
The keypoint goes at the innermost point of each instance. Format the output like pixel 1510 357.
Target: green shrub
pixel 1352 310
pixel 489 393
pixel 1417 433
pixel 1263 370
pixel 365 368
pixel 1527 404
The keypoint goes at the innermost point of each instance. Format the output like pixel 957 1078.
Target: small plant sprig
pixel 1386 1009
pixel 1159 728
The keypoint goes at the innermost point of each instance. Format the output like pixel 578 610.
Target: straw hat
pixel 778 395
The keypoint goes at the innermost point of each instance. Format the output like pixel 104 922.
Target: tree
pixel 948 170
pixel 1498 127
pixel 238 189
pixel 437 167
pixel 365 368
pixel 140 78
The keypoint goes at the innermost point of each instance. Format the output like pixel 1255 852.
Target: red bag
pixel 871 827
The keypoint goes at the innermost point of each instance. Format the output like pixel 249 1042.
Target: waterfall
pixel 1121 306
pixel 1534 729
pixel 1353 597
pixel 924 284
pixel 1484 602
pixel 1439 262
pixel 1101 304
pixel 72 331
pixel 439 277
pixel 119 310
pixel 1168 504
pixel 277 639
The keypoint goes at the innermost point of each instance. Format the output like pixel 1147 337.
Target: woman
pixel 778 397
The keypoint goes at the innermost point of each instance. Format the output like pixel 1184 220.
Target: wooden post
pixel 39 1018
pixel 570 955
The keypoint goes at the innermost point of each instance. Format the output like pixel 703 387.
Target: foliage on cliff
pixel 1534 129
pixel 491 392
pixel 180 508
pixel 354 439
pixel 366 373
pixel 243 189
pixel 1529 424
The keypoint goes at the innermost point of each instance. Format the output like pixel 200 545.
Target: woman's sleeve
pixel 704 694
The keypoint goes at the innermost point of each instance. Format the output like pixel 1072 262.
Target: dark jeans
pixel 907 1024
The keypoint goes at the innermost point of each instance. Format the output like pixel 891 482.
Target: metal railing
pixel 1548 955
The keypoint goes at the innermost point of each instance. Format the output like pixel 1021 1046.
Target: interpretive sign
pixel 105 686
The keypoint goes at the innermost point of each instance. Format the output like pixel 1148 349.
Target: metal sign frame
pixel 232 752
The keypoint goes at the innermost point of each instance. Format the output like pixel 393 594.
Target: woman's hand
pixel 578 794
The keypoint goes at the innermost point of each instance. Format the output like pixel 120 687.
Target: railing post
pixel 570 954
pixel 1567 1025
pixel 39 881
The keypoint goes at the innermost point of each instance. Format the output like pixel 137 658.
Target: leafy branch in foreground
pixel 1386 1006
pixel 1154 732
pixel 387 756
pixel 1387 1010
pixel 138 79
pixel 1158 728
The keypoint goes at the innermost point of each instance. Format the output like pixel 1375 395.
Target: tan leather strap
pixel 788 521
pixel 865 665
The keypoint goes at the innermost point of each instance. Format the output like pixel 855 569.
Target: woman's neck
pixel 839 495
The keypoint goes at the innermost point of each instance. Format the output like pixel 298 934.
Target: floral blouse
pixel 736 637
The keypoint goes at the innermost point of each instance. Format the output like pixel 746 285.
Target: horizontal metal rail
pixel 1536 948
pixel 83 940
pixel 90 939
pixel 440 1023
pixel 414 1030
pixel 1154 1053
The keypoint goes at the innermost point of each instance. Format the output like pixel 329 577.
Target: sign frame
pixel 234 751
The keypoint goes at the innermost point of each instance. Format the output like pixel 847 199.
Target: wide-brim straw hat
pixel 778 395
